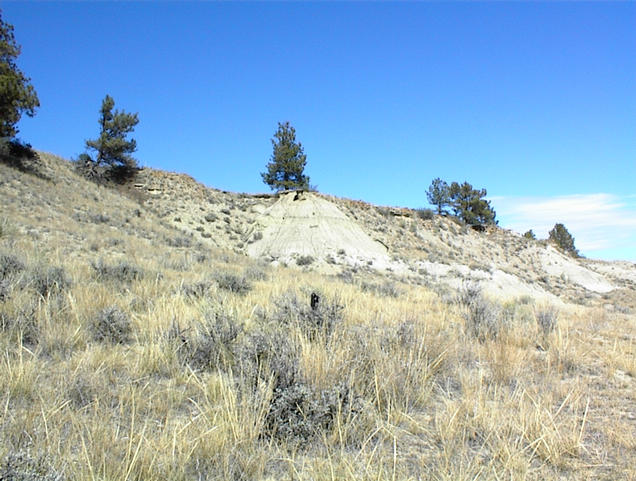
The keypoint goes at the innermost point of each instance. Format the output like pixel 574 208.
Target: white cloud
pixel 603 225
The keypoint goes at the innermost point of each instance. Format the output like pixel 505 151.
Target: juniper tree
pixel 17 95
pixel 112 147
pixel 288 160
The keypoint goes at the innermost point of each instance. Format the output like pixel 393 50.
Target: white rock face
pixel 308 225
pixel 556 264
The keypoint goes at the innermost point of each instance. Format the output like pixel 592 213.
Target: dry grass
pixel 397 388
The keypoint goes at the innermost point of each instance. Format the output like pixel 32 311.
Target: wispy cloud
pixel 603 225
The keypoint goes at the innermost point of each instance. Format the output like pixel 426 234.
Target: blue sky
pixel 534 101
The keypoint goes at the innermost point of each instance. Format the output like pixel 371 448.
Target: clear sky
pixel 534 101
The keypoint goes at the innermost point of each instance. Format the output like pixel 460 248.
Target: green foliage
pixel 287 163
pixel 438 194
pixel 530 235
pixel 469 204
pixel 17 95
pixel 563 239
pixel 112 147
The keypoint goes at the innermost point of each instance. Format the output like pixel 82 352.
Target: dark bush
pixel 22 466
pixel 196 290
pixel 10 265
pixel 111 325
pixel 304 260
pixel 122 272
pixel 425 214
pixel 299 414
pixel 233 283
pixel 4 290
pixel 49 280
pixel 22 157
pixel 266 353
pixel 179 241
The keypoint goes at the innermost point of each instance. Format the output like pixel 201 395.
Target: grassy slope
pixel 398 389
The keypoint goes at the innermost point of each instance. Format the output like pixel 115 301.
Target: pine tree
pixel 112 147
pixel 17 95
pixel 563 239
pixel 438 194
pixel 287 163
pixel 469 205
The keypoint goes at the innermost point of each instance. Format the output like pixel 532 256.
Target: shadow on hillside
pixel 22 157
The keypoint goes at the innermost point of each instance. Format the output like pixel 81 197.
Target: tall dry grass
pixel 213 382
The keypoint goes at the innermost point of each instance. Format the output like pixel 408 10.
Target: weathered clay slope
pixel 313 228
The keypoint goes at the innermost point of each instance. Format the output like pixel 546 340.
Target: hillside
pixel 166 330
pixel 342 235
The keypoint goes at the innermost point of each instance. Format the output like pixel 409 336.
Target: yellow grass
pixel 428 400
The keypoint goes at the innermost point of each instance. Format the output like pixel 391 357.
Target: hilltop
pixel 163 329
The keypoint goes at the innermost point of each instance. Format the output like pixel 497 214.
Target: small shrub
pixel 111 325
pixel 257 236
pixel 469 293
pixel 483 319
pixel 304 260
pixel 268 353
pixel 4 290
pixel 195 290
pixel 313 316
pixel 299 413
pixel 425 214
pixel 547 320
pixel 211 217
pixel 100 219
pixel 233 283
pixel 122 272
pixel 212 345
pixel 10 265
pixel 388 289
pixel 81 392
pixel 49 280
pixel 23 323
pixel 255 273
pixel 179 241
pixel 22 466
